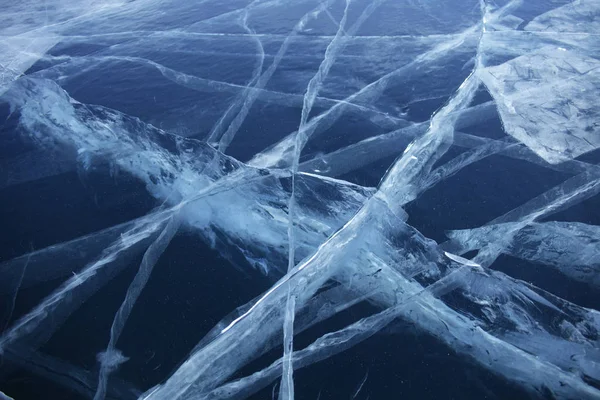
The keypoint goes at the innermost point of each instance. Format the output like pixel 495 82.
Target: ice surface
pixel 568 19
pixel 315 146
pixel 547 100
pixel 571 247
pixel 370 92
pixel 546 94
pixel 248 98
pixel 5 397
pixel 78 380
pixel 29 29
pixel 68 297
pixel 112 358
pixel 19 54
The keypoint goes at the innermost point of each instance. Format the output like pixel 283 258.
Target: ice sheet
pixel 285 108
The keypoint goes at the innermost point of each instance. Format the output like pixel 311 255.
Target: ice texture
pixel 398 155
pixel 570 247
pixel 547 100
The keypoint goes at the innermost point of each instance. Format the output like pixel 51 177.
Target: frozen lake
pixel 311 199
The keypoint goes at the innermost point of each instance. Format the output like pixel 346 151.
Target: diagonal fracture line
pixel 279 151
pixel 266 76
pixel 111 358
pixel 370 150
pixel 400 184
pixel 254 5
pixel 463 96
pixel 210 85
pixel 59 299
pixel 312 271
pixel 197 365
pixel 28 324
pixel 464 160
pixel 143 228
pixel 286 389
pixel 276 154
pixel 44 28
pixel 334 342
pixel 217 131
pixel 570 192
pixel 362 383
pixel 333 51
pixel 13 298
pixel 74 378
pixel 194 375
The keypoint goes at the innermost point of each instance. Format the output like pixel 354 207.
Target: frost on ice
pixel 565 124
pixel 393 106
